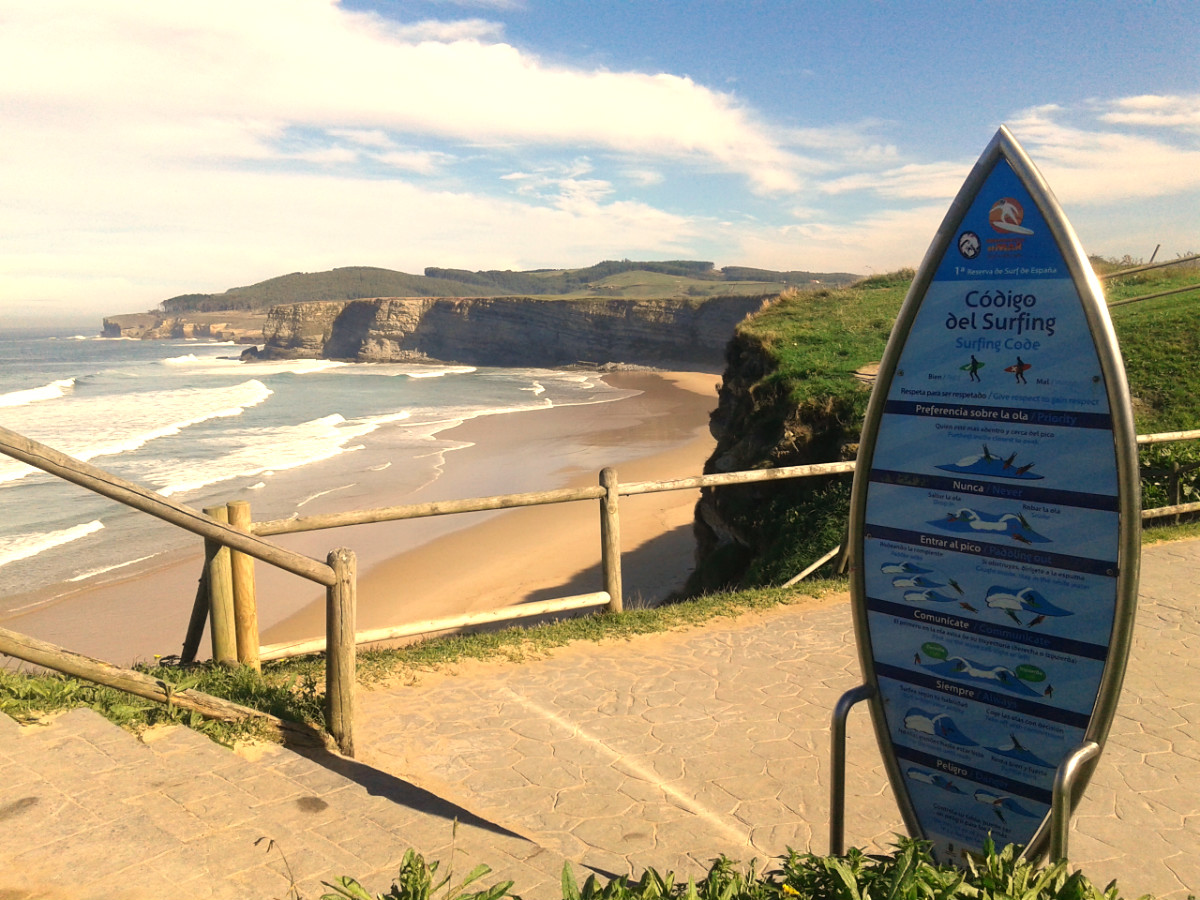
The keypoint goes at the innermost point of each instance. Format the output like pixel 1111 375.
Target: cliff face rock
pixel 758 426
pixel 243 328
pixel 380 330
pixel 509 331
pixel 300 329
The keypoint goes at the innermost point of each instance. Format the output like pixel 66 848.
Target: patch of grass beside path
pixel 1162 534
pixel 293 689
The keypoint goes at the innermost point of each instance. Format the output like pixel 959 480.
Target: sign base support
pixel 837 765
pixel 1065 779
pixel 1064 791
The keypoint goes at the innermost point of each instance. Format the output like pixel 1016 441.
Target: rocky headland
pixel 511 331
pixel 226 325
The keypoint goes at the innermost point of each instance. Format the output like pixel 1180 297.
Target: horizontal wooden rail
pixel 1159 511
pixel 51 656
pixel 296 524
pixel 1167 436
pixel 423 510
pixel 105 483
pixel 722 479
pixel 431 626
pixel 1155 296
pixel 1160 265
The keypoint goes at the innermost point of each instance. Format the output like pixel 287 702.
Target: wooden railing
pixel 226 599
pixel 1152 265
pixel 337 574
pixel 608 492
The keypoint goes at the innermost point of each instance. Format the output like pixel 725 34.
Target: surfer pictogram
pixel 1019 368
pixel 972 368
pixel 987 524
pixel 993 464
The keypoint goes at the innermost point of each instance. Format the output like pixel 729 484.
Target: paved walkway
pixel 663 750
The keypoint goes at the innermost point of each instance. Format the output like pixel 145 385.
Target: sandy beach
pixel 426 568
pixel 542 552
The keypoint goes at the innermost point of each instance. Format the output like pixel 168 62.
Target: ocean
pixel 191 421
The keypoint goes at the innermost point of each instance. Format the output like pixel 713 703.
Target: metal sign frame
pixel 1003 149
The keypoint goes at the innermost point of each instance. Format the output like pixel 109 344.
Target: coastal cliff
pixel 740 530
pixel 242 328
pixel 794 391
pixel 513 331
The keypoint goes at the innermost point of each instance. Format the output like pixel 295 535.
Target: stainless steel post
pixel 837 764
pixel 1064 790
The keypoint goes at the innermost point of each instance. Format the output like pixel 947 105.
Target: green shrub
pixel 908 873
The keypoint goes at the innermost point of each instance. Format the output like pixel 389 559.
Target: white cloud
pixel 643 177
pixel 155 148
pixel 308 63
pixel 564 185
pixel 1096 165
pixel 231 227
pixel 486 4
pixel 367 137
pixel 327 156
pixel 879 242
pixel 446 32
pixel 1156 111
pixel 422 162
pixel 911 181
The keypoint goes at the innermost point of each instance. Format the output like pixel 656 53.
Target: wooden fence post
pixel 220 594
pixel 245 604
pixel 340 650
pixel 195 631
pixel 1175 487
pixel 610 539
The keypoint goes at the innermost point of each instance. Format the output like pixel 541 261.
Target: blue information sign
pixel 995 518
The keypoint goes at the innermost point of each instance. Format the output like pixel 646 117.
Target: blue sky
pixel 155 148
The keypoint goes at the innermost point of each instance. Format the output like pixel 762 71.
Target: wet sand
pixel 539 553
pixel 427 568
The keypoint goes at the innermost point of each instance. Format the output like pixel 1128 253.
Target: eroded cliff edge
pixel 510 331
pixel 794 391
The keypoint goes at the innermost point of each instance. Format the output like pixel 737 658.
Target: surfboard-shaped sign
pixel 995 518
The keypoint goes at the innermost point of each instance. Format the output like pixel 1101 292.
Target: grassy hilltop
pixel 623 279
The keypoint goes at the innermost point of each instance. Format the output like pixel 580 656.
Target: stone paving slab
pixel 668 751
pixel 88 811
pixel 663 751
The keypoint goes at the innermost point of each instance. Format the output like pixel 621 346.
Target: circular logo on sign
pixel 1006 216
pixel 968 244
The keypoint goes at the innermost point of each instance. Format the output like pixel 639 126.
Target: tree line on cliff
pixel 362 282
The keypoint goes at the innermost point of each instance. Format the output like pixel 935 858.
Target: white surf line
pixel 313 497
pixel 726 828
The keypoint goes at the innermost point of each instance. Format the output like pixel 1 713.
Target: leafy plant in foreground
pixel 908 873
pixel 415 882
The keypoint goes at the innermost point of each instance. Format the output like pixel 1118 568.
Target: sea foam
pixel 23 546
pixel 261 451
pixel 92 427
pixel 51 391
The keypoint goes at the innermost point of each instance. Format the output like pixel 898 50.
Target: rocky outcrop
pixel 300 329
pixel 509 331
pixel 242 328
pixel 758 425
